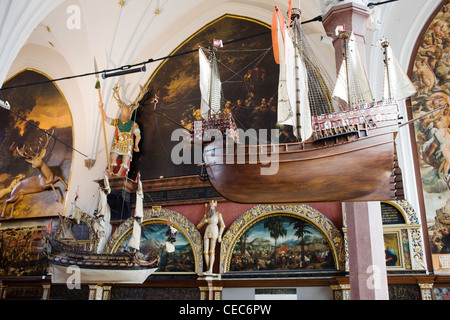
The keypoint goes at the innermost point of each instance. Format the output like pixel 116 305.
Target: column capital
pixel 355 17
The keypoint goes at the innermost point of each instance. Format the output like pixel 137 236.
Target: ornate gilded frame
pixel 304 212
pixel 411 229
pixel 180 222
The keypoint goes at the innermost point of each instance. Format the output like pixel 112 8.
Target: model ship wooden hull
pixel 96 268
pixel 355 166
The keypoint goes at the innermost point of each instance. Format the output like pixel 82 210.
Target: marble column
pixel 367 265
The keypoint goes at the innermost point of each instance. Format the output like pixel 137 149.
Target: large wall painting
pixel 282 238
pixel 21 252
pixel 430 74
pixel 281 243
pixel 249 78
pixel 23 144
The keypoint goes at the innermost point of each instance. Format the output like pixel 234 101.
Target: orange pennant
pixel 277 18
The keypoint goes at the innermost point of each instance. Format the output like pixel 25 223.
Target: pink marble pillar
pixel 368 277
pixel 367 266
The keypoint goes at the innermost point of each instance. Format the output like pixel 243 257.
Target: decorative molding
pixel 305 212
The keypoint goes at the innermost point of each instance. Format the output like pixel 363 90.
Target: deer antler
pixel 23 153
pixel 142 93
pixel 116 95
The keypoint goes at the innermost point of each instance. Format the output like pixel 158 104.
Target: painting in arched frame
pixel 153 238
pixel 34 110
pixel 281 242
pixel 249 78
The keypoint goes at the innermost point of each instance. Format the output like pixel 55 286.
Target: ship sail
pixel 352 84
pixel 135 240
pixel 210 85
pixel 396 83
pixel 293 101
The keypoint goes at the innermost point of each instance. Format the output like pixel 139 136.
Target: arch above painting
pixel 324 237
pixel 404 237
pixel 158 216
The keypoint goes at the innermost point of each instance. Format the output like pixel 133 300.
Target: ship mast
pixel 385 45
pixel 295 19
pixel 345 36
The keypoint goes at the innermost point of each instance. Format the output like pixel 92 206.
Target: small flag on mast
pixel 217 43
pixel 339 28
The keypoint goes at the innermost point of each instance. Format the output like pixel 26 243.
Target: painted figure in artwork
pixel 127 134
pixel 35 184
pixel 212 233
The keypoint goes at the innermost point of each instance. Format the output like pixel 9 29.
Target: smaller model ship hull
pixel 97 268
pixel 65 274
pixel 349 167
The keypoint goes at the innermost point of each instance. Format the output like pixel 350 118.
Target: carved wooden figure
pixel 212 234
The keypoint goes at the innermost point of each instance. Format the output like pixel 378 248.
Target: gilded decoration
pixel 304 213
pixel 85 239
pixel 402 240
pixel 162 216
pixel 410 235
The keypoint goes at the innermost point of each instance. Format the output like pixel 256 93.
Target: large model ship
pixel 344 155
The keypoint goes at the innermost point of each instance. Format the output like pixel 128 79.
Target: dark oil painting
pixel 21 252
pixel 249 77
pixel 38 114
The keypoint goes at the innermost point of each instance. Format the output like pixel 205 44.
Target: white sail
pixel 104 212
pixel 293 101
pixel 135 240
pixel 284 111
pixel 396 84
pixel 139 211
pixel 341 88
pixel 66 231
pixel 210 86
pixel 352 82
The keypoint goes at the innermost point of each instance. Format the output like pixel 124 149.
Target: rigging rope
pixel 127 67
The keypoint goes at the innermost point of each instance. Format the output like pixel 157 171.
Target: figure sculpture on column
pixel 212 234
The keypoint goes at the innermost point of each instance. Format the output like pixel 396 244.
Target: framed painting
pixel 281 242
pixel 35 135
pixel 153 238
pixel 249 77
pixel 392 250
pixel 21 252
